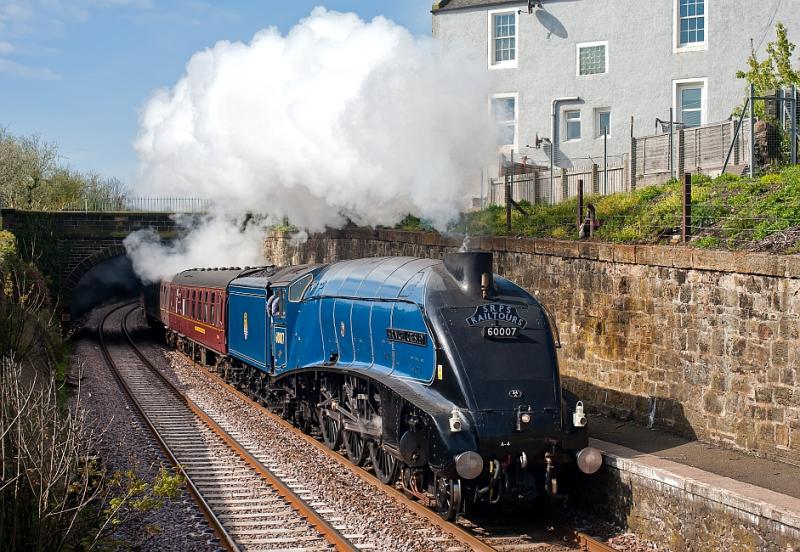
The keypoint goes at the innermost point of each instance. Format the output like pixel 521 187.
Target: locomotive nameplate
pixel 497 312
pixel 407 336
pixel 501 332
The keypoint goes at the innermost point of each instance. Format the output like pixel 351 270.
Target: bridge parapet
pixel 67 244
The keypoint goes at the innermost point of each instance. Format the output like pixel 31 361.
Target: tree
pixel 774 72
pixel 780 52
pixel 32 178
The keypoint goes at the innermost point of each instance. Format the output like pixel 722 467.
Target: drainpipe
pixel 554 134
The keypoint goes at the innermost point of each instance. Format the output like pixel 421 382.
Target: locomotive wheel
pixel 355 447
pixel 448 498
pixel 331 430
pixel 385 465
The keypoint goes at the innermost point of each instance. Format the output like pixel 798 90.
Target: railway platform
pixel 695 496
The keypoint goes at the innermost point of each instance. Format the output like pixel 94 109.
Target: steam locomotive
pixel 438 373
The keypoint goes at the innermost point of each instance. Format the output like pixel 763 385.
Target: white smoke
pixel 339 119
pixel 212 241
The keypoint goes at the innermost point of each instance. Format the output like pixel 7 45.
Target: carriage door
pixel 277 311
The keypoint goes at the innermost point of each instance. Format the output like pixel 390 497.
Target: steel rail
pixel 224 537
pixel 331 534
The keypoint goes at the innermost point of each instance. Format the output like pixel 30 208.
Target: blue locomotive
pixel 438 373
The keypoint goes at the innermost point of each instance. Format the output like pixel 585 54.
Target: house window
pixel 692 22
pixel 603 122
pixel 592 58
pixel 504 111
pixel 690 102
pixel 503 39
pixel 572 123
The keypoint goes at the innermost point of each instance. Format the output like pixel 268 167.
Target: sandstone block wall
pixel 703 343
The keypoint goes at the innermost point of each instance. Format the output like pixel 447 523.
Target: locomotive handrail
pixel 551 319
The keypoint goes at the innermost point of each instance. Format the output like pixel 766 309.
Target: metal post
pixel 671 145
pixel 508 194
pixel 579 218
pixel 605 161
pixel 794 124
pixel 481 201
pixel 735 137
pixel 781 97
pixel 633 161
pixel 686 222
pixel 752 132
pixel 551 173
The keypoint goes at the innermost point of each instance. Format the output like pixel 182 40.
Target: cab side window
pixel 298 288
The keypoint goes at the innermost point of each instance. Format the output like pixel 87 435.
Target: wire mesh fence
pixel 730 213
pixel 189 205
pixel 776 120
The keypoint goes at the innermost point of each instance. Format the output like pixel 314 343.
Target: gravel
pixel 127 445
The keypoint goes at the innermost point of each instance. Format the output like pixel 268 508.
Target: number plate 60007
pixel 500 332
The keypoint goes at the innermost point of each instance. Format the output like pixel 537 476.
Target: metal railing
pixel 191 205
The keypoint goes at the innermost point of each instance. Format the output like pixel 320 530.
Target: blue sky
pixel 76 72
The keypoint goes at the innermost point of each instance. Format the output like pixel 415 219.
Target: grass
pixel 727 212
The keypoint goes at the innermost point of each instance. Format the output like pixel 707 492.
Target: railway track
pixel 472 534
pixel 245 503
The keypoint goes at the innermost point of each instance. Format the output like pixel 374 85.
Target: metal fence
pixel 192 205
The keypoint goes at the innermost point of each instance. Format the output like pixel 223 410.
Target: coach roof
pixel 211 277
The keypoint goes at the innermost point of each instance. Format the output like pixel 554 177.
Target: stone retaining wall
pixel 687 509
pixel 703 343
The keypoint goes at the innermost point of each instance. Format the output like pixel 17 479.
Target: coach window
pixel 213 308
pixel 206 308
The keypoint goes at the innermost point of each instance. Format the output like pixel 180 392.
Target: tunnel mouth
pixel 109 281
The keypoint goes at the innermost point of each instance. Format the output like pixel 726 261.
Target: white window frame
pixel 566 125
pixel 677 47
pixel 508 64
pixel 578 57
pixel 506 95
pixel 597 125
pixel 678 84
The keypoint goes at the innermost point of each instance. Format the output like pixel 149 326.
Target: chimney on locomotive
pixel 473 270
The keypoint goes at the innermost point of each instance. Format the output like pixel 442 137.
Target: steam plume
pixel 339 119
